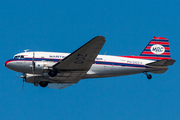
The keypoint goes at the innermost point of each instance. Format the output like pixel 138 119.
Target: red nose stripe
pixel 7 63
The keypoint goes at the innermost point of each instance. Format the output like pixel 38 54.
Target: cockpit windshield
pixel 19 57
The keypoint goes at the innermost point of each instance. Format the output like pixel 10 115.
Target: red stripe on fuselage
pixel 144 57
pixel 14 61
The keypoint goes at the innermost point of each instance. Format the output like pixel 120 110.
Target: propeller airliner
pixel 60 70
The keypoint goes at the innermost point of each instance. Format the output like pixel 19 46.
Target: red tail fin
pixel 158 48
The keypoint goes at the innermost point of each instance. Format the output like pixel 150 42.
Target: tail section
pixel 158 48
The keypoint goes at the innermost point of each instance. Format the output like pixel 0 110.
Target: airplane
pixel 60 70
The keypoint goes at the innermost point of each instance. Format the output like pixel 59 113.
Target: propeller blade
pixel 33 66
pixel 23 85
pixel 33 63
pixel 33 77
pixel 24 79
pixel 17 75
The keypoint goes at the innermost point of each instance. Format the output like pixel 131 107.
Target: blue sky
pixel 63 26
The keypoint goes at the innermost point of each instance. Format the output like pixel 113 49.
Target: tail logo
pixel 157 49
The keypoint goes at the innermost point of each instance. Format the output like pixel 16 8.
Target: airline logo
pixel 157 49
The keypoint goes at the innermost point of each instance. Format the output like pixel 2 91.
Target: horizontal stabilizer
pixel 159 71
pixel 166 62
pixel 83 58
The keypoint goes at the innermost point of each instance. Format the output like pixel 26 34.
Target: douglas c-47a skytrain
pixel 60 70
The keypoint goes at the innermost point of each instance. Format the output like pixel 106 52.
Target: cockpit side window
pixel 19 57
pixel 15 57
pixel 22 56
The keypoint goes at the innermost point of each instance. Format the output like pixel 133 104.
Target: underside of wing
pixel 82 58
pixel 68 77
pixel 59 85
pixel 74 67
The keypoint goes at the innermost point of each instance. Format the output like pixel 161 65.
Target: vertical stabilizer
pixel 158 48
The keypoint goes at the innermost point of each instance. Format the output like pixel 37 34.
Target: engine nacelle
pixel 35 79
pixel 43 66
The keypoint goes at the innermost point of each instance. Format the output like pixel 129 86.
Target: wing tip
pixel 100 37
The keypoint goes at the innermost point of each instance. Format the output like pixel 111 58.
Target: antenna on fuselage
pixel 26 50
pixel 105 53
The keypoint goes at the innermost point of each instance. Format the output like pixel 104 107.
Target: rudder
pixel 158 48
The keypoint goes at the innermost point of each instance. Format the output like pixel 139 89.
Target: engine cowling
pixel 43 66
pixel 31 79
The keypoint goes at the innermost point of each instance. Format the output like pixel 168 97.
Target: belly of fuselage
pixel 110 71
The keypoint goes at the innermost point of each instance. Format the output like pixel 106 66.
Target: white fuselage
pixel 65 69
pixel 103 66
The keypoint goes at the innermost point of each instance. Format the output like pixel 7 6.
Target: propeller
pixel 17 75
pixel 24 79
pixel 23 85
pixel 33 66
pixel 33 63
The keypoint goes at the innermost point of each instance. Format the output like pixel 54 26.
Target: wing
pixel 73 68
pixel 59 85
pixel 82 58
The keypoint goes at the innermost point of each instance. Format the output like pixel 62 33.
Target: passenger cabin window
pixel 19 57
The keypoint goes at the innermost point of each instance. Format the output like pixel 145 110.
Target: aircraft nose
pixel 10 64
pixel 6 63
pixel 15 65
